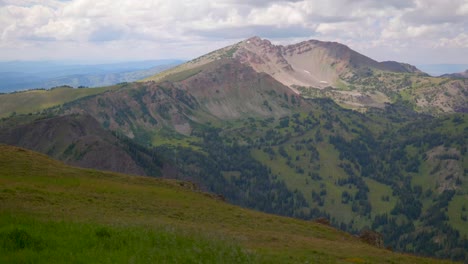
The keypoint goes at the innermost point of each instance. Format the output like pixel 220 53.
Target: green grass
pixel 165 137
pixel 180 76
pixel 36 100
pixel 24 239
pixel 278 166
pixel 176 74
pixel 423 178
pixel 330 173
pixel 455 211
pixel 378 190
pixel 57 213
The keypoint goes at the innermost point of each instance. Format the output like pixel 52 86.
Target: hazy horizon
pixel 432 69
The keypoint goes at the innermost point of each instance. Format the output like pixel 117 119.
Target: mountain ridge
pixel 216 92
pixel 317 69
pixel 256 51
pixel 463 75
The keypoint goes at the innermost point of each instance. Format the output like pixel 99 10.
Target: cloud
pixel 459 41
pixel 107 34
pixel 266 32
pixel 201 25
pixel 436 12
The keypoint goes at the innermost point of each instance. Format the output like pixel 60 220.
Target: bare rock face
pixel 321 69
pixel 310 63
pixel 302 64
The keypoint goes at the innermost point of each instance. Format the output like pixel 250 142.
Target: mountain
pixel 50 211
pixel 317 69
pixel 81 141
pixel 440 69
pixel 239 132
pixel 463 75
pixel 309 63
pixel 215 92
pixel 22 75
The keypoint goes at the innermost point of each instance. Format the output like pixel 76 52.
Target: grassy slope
pixel 192 67
pixel 429 181
pixel 327 167
pixel 105 210
pixel 377 191
pixel 25 240
pixel 37 100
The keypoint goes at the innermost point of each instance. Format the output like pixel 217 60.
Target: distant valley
pixel 19 75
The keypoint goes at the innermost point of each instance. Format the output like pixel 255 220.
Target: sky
pixel 413 31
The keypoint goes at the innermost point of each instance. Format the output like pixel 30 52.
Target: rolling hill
pixel 106 217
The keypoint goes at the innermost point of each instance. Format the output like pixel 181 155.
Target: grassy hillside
pixel 375 170
pixel 50 212
pixel 37 100
pixel 79 140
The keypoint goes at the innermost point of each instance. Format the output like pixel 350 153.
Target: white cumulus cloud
pixel 139 29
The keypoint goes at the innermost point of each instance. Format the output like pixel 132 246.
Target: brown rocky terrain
pixel 310 63
pixel 352 79
pixel 221 90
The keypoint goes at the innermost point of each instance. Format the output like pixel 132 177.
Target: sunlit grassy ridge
pixel 104 216
pixel 36 100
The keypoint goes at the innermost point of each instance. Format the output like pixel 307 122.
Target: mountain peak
pixel 254 38
pixel 310 66
pixel 310 63
pixel 257 41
